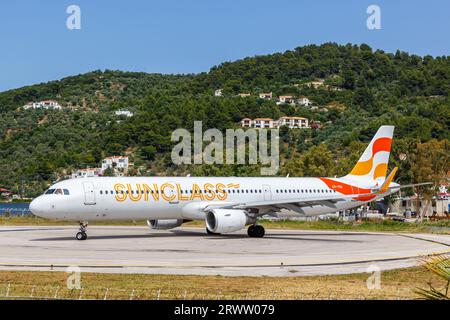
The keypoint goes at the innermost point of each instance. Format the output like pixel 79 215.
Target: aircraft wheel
pixel 81 236
pixel 256 231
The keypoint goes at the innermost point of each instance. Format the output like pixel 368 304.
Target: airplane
pixel 226 204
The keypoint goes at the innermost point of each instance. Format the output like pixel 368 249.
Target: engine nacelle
pixel 164 224
pixel 226 220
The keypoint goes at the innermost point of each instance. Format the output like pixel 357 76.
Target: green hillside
pixel 359 90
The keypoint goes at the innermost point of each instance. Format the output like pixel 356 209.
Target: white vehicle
pixel 227 204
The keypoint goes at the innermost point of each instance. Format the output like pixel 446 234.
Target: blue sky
pixel 192 35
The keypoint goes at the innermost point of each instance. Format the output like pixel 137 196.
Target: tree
pixel 318 161
pixel 430 163
pixel 148 152
pixel 109 172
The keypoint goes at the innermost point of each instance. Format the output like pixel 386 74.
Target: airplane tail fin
pixel 373 164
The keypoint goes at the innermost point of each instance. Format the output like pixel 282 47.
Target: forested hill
pixel 354 89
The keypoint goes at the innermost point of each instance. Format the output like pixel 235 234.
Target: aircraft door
pixel 267 192
pixel 89 193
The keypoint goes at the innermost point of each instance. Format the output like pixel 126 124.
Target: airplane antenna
pixel 287 175
pixel 188 175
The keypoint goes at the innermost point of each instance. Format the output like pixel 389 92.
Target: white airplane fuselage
pixel 148 198
pixel 227 204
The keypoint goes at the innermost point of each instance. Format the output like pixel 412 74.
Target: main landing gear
pixel 82 235
pixel 256 231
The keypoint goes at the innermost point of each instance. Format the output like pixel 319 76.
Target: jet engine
pixel 227 220
pixel 164 224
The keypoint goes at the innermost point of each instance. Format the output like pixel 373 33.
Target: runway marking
pixel 34 229
pixel 423 239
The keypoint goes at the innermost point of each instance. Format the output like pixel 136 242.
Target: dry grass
pixel 395 284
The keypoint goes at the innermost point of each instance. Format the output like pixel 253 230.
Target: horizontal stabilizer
pixel 411 185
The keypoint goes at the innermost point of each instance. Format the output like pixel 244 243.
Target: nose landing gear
pixel 82 235
pixel 256 231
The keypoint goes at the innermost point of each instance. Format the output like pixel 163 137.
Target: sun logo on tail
pixel 373 163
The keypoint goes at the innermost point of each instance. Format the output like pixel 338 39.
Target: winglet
pixel 388 181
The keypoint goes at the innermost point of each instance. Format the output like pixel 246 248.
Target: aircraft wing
pixel 323 200
pixel 290 204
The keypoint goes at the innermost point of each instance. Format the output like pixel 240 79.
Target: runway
pixel 114 249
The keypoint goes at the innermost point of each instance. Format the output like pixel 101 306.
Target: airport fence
pixel 52 292
pixel 14 211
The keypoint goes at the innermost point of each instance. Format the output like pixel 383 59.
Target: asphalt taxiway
pixel 114 249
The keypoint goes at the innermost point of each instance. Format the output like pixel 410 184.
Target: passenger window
pixel 101 192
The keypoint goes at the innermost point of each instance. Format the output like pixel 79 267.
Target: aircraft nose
pixel 36 206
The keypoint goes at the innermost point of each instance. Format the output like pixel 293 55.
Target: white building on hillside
pixel 218 93
pixel 87 173
pixel 268 123
pixel 124 112
pixel 46 104
pixel 116 162
pixel 286 99
pixel 304 101
pixel 264 123
pixel 265 95
pixel 246 123
pixel 293 122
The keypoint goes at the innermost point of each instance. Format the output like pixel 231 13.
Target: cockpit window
pixel 58 191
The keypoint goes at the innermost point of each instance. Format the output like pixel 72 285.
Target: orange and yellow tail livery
pixel 373 164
